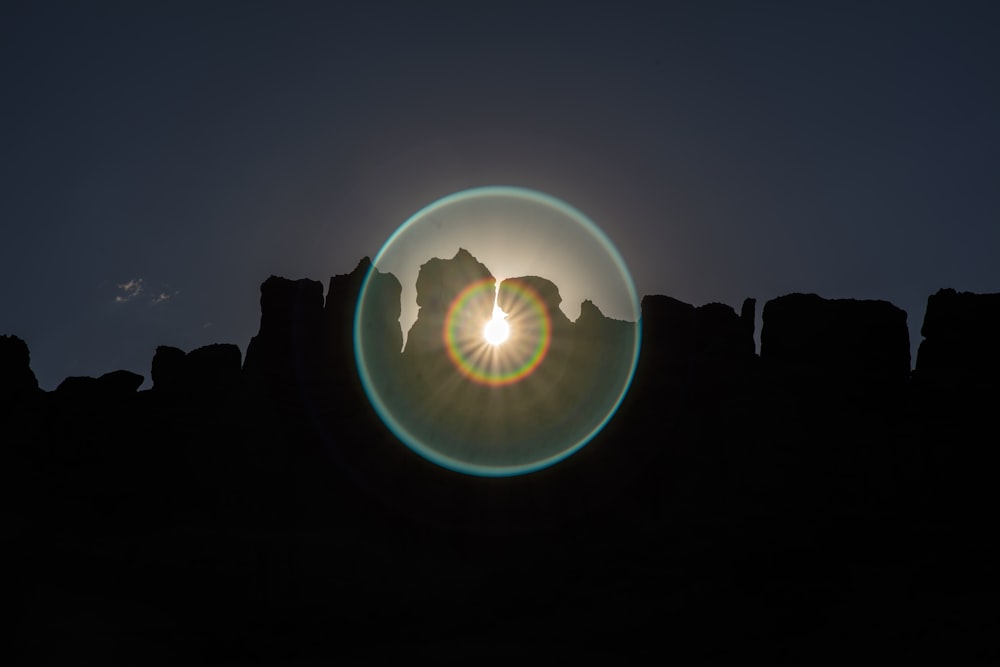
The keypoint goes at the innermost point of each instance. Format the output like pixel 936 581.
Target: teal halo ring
pixel 457 451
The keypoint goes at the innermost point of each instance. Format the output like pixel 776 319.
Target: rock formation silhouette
pixel 109 387
pixel 736 505
pixel 284 353
pixel 960 333
pixel 836 340
pixel 17 380
pixel 211 369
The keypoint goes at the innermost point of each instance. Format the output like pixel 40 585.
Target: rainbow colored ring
pixel 487 369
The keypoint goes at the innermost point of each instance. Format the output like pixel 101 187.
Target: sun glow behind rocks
pixel 494 377
pixel 515 232
pixel 497 330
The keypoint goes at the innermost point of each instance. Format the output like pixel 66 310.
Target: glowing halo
pixel 498 368
pixel 551 386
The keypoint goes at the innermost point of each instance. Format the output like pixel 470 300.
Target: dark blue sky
pixel 728 149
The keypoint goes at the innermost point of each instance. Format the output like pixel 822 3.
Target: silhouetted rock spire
pixel 836 339
pixel 961 334
pixel 287 349
pixel 686 347
pixel 17 380
pixel 439 282
pixel 382 317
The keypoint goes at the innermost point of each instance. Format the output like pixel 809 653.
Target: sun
pixel 497 330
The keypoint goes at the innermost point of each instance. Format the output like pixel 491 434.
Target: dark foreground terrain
pixel 814 503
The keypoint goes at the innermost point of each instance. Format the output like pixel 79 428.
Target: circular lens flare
pixel 483 373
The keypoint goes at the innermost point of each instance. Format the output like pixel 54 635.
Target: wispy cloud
pixel 162 296
pixel 129 290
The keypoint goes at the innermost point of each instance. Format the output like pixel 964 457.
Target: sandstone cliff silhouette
pixel 815 495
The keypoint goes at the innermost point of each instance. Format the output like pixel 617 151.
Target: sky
pixel 161 160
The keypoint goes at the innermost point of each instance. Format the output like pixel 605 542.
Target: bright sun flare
pixel 496 330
